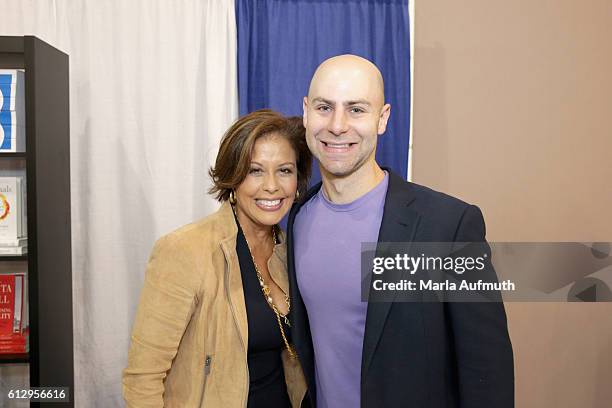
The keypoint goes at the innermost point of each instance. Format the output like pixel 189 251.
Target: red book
pixel 7 305
pixel 12 339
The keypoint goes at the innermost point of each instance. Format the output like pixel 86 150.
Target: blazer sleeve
pixel 480 333
pixel 167 301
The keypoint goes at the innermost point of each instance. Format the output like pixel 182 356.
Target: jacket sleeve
pixel 167 302
pixel 480 333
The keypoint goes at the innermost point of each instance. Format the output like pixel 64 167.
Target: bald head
pixel 344 113
pixel 350 71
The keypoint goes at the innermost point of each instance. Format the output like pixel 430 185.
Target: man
pixel 398 354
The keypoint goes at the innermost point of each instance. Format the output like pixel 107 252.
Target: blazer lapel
pixel 298 315
pixel 399 224
pixel 234 288
pixel 298 309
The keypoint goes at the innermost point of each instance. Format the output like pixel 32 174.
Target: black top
pixel 267 386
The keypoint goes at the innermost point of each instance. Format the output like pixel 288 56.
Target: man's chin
pixel 336 170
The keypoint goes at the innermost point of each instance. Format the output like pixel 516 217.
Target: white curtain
pixel 152 88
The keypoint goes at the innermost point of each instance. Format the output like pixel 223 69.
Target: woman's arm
pixel 167 302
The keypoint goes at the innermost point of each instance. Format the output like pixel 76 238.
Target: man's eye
pixel 324 108
pixel 357 110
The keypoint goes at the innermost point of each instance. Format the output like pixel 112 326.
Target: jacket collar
pixel 228 230
pixel 399 224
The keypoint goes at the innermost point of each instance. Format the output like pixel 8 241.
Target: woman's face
pixel 268 191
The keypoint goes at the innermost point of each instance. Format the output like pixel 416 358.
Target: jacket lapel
pixel 399 224
pixel 232 276
pixel 300 331
pixel 278 263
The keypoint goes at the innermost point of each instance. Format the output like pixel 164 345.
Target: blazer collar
pixel 233 277
pixel 399 224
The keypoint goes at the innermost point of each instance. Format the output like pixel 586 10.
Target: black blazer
pixel 421 354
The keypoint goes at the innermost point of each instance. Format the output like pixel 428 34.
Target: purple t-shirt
pixel 328 241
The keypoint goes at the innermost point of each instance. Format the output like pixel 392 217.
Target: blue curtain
pixel 281 42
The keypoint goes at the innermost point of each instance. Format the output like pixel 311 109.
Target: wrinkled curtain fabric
pixel 152 88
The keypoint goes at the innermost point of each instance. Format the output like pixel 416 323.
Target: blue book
pixel 12 132
pixel 12 92
pixel 12 110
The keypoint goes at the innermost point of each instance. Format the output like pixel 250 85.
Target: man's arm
pixel 480 333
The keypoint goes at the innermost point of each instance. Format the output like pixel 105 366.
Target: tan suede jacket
pixel 189 338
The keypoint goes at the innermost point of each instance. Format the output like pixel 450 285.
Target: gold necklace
pixel 265 289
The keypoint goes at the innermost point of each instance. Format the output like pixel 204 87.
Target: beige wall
pixel 513 112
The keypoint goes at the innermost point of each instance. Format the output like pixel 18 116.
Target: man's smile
pixel 334 147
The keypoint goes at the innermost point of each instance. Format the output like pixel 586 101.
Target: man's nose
pixel 338 122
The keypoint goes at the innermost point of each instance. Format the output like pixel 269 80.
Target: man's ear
pixel 305 110
pixel 384 117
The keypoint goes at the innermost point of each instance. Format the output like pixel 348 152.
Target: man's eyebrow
pixel 319 99
pixel 348 103
pixel 357 102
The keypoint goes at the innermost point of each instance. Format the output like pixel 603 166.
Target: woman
pixel 211 328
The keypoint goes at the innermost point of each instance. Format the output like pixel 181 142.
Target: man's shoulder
pixel 424 198
pixel 401 193
pixel 440 215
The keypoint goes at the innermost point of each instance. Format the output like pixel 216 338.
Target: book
pixel 14 333
pixel 20 242
pixel 7 304
pixel 11 303
pixel 12 132
pixel 12 110
pixel 21 250
pixel 12 90
pixel 15 344
pixel 13 224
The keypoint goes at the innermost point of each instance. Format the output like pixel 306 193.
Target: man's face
pixel 343 116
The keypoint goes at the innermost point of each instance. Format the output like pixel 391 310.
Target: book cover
pixel 7 305
pixel 10 209
pixel 15 344
pixel 12 132
pixel 13 314
pixel 12 90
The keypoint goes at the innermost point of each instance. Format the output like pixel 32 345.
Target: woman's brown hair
pixel 234 157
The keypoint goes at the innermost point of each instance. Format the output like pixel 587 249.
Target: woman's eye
pixel 254 170
pixel 286 171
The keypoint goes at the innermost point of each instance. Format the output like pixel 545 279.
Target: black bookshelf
pixel 15 359
pixel 13 258
pixel 16 155
pixel 47 165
